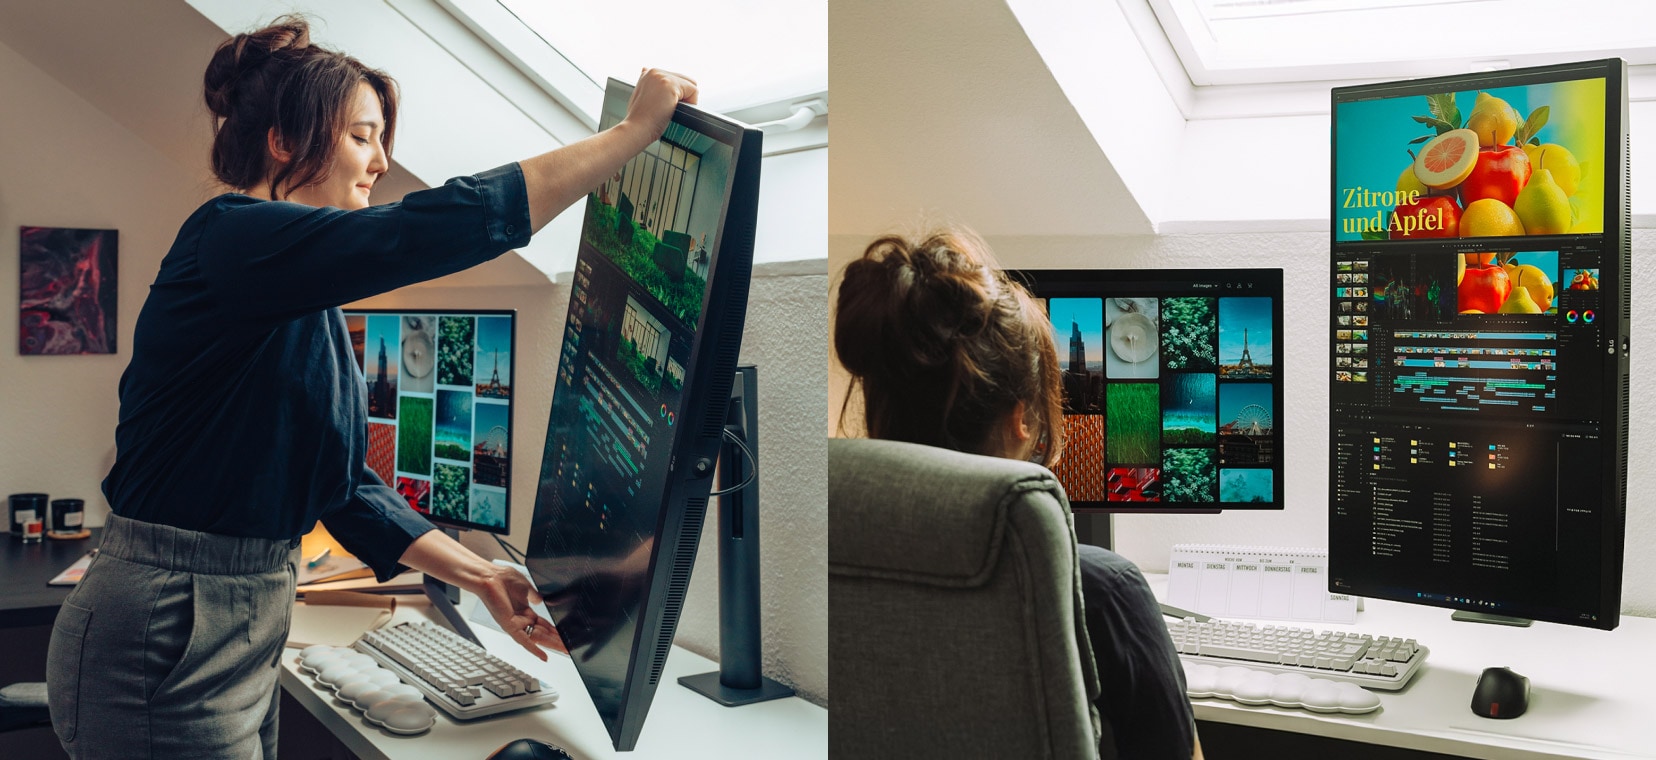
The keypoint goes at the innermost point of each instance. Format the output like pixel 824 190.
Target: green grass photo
pixel 414 418
pixel 1133 424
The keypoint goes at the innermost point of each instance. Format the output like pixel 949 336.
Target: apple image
pixel 1500 173
pixel 1431 216
pixel 1484 288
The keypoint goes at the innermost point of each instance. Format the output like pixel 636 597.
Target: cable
pixel 751 458
pixel 511 551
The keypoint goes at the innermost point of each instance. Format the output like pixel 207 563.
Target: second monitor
pixel 1172 386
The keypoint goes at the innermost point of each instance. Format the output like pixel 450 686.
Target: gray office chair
pixel 23 705
pixel 956 605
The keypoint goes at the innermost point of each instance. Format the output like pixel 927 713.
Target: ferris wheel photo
pixel 1253 419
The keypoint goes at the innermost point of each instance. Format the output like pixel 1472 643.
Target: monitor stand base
pixel 707 684
pixel 1485 617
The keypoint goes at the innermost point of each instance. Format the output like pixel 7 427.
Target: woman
pixel 242 416
pixel 949 352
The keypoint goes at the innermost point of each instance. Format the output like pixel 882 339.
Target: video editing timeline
pixel 1482 369
pixel 1172 388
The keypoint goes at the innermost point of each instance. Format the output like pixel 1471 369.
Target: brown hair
pixel 944 345
pixel 275 78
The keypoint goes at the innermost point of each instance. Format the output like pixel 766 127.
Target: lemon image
pixel 1407 182
pixel 1488 217
pixel 1493 120
pixel 1543 206
pixel 1566 170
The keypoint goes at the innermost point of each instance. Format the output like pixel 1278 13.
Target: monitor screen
pixel 1479 461
pixel 439 387
pixel 657 303
pixel 1172 386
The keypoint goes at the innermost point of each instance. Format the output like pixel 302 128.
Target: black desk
pixel 25 599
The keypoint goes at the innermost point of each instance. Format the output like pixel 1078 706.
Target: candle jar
pixel 25 507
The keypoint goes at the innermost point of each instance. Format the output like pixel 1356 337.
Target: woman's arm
pixel 508 595
pixel 559 178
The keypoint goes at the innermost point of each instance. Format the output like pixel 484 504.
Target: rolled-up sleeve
pixel 376 526
pixel 267 263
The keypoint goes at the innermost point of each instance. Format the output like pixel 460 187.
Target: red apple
pixel 1432 216
pixel 1484 288
pixel 1500 173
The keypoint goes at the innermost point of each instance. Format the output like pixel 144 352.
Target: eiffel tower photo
pixel 1245 366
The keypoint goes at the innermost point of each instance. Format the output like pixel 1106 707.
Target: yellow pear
pixel 1530 277
pixel 1543 206
pixel 1566 169
pixel 1493 119
pixel 1460 268
pixel 1519 302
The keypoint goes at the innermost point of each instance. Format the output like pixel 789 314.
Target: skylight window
pixel 1223 42
pixel 741 52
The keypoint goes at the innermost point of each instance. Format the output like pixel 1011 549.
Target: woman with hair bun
pixel 243 421
pixel 948 351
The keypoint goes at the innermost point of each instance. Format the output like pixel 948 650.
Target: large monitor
pixel 656 311
pixel 1480 232
pixel 439 385
pixel 1172 386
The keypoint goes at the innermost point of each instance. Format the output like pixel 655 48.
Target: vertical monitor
pixel 657 304
pixel 439 386
pixel 1480 235
pixel 1172 386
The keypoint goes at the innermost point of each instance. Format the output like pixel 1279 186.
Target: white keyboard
pixel 1372 662
pixel 459 677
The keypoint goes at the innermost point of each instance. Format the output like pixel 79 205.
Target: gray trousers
pixel 168 647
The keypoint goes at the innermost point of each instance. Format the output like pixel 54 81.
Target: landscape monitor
pixel 1173 384
pixel 439 388
pixel 1480 464
pixel 657 303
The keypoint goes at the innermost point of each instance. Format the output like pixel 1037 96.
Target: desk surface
pixel 1585 688
pixel 25 599
pixel 681 723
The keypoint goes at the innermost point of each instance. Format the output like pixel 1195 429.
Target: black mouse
pixel 1501 693
pixel 530 749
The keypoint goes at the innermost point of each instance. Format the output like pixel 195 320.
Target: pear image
pixel 1520 302
pixel 1493 119
pixel 1543 206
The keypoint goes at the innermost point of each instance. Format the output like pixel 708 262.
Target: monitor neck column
pixel 739 680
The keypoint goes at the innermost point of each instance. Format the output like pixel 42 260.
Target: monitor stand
pixel 739 680
pixel 1485 617
pixel 444 596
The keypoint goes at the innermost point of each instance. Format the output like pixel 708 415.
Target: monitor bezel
pixel 1041 282
pixel 511 406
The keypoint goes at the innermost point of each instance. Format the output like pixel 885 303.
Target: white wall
pixel 63 163
pixel 1147 539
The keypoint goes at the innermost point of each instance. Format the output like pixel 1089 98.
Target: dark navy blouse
pixel 242 411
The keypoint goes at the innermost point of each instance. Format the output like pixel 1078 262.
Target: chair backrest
pixel 955 596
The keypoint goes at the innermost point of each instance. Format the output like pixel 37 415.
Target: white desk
pixel 1584 689
pixel 680 724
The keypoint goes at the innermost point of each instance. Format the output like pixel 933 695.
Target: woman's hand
pixel 507 594
pixel 655 96
pixel 510 598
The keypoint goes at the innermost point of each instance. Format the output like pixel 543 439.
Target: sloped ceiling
pixel 945 110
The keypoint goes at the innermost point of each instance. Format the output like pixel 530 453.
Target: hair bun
pixel 248 52
pixel 920 300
